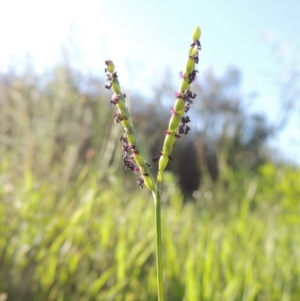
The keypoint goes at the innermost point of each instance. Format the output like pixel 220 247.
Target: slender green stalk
pixel 159 267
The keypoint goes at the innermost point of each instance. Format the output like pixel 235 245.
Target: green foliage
pixel 93 242
pixel 49 120
pixel 72 229
pixel 281 189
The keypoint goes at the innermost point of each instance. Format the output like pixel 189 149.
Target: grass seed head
pixel 179 124
pixel 196 34
pixel 132 158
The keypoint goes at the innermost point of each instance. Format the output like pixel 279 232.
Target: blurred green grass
pixel 73 227
pixel 95 242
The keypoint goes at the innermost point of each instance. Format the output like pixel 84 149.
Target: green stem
pixel 159 268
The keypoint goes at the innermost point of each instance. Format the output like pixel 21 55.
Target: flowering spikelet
pixel 179 124
pixel 132 158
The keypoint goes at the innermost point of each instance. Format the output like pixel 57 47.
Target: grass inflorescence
pixel 132 156
pixel 179 125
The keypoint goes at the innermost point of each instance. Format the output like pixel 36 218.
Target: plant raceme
pixel 132 157
pixel 178 125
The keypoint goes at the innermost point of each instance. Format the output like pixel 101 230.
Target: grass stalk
pixel 159 267
pixel 179 125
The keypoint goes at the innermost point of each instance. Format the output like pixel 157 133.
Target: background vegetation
pixel 75 226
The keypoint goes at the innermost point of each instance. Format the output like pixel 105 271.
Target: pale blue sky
pixel 143 37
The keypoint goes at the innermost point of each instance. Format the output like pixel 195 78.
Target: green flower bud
pixel 190 65
pixel 149 183
pixel 163 162
pixel 138 159
pixel 194 52
pixel 196 34
pixel 169 141
pixel 184 85
pixel 179 105
pixel 174 121
pixel 167 149
pixel 110 66
pixel 126 123
pixel 131 139
pixel 122 106
pixel 116 88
